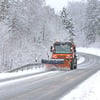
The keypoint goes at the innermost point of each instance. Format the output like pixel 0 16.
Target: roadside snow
pixel 81 59
pixel 12 75
pixel 89 89
pixel 94 51
pixel 21 73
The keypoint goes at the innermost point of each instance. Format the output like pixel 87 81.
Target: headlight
pixel 54 56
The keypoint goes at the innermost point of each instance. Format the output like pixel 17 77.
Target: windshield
pixel 62 48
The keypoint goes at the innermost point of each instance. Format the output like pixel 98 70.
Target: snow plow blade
pixel 52 61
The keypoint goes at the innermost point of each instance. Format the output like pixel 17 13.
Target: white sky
pixel 59 4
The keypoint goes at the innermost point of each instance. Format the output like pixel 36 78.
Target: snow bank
pixel 81 59
pixel 21 73
pixel 94 51
pixel 89 90
pixel 7 82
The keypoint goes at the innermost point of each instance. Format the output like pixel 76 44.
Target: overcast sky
pixel 59 4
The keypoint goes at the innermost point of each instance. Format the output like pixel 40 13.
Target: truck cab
pixel 66 51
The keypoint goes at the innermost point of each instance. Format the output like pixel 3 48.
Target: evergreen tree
pixel 67 23
pixel 92 21
pixel 4 5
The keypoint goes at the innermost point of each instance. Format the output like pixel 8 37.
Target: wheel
pixel 75 63
pixel 75 67
pixel 72 65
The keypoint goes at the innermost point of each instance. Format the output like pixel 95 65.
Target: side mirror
pixel 51 49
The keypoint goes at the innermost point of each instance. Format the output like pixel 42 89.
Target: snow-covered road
pixel 89 89
pixel 85 91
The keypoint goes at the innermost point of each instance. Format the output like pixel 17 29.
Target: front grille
pixel 61 56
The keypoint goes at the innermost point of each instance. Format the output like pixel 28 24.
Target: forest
pixel 29 27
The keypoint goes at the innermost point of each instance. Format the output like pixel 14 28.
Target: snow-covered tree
pixel 4 5
pixel 32 29
pixel 67 23
pixel 78 11
pixel 92 22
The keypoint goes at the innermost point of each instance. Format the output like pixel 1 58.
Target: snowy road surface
pixel 51 86
pixel 88 90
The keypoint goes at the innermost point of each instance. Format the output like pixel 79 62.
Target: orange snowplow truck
pixel 63 56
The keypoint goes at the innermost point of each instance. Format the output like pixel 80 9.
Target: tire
pixel 75 63
pixel 75 67
pixel 72 66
